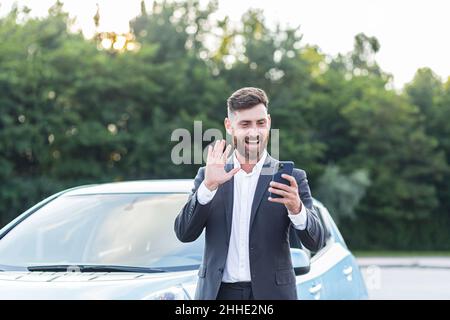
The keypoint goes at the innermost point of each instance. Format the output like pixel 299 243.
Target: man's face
pixel 249 129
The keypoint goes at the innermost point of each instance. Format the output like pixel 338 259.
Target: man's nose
pixel 253 131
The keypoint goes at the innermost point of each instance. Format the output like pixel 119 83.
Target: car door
pixel 331 276
pixel 309 285
pixel 338 279
pixel 309 289
pixel 339 282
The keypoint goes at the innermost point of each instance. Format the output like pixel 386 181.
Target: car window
pixel 323 219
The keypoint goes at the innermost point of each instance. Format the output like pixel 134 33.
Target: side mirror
pixel 300 261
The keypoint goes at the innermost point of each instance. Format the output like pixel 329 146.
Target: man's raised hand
pixel 215 173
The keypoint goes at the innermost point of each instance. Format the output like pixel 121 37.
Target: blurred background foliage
pixel 77 111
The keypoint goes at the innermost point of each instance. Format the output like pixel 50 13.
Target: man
pixel 247 253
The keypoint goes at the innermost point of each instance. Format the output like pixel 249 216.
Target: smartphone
pixel 283 167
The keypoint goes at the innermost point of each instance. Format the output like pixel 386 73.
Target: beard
pixel 250 148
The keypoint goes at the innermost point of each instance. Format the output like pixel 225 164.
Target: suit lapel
pixel 228 191
pixel 263 183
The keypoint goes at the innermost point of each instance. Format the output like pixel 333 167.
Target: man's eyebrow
pixel 262 119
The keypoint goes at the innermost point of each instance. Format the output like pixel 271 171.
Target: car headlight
pixel 173 293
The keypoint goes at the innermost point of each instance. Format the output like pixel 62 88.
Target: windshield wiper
pixel 94 268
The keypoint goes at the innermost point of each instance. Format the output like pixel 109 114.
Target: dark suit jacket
pixel 271 267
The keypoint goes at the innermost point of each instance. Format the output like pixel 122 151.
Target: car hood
pixel 93 285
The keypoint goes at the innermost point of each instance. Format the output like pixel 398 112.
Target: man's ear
pixel 227 123
pixel 269 121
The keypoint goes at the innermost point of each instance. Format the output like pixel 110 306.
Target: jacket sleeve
pixel 192 218
pixel 313 236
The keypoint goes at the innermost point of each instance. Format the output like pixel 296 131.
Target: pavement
pixel 406 278
pixel 405 262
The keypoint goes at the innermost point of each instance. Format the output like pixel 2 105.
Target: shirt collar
pixel 256 168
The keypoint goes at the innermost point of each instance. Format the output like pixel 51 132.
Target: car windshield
pixel 103 229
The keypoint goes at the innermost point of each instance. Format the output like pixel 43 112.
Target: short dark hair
pixel 246 98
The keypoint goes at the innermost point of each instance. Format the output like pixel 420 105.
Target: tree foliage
pixel 74 113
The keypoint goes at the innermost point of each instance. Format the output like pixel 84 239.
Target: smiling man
pixel 247 253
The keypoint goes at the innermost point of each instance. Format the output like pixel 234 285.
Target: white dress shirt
pixel 237 266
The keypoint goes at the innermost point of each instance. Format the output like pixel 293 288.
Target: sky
pixel 412 33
